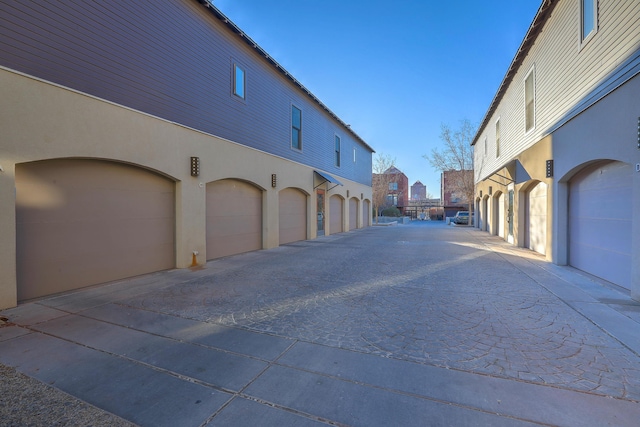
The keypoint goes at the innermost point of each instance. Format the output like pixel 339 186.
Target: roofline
pixel 235 29
pixel 544 11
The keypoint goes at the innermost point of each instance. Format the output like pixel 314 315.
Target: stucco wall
pixel 40 120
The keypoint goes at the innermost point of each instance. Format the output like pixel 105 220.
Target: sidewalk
pixel 419 324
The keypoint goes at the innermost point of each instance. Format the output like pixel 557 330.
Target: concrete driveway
pixel 412 325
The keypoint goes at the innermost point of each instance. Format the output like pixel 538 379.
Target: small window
pixel 238 81
pixel 498 138
pixel 354 155
pixel 393 186
pixel 589 17
pixel 337 150
pixel 296 128
pixel 529 99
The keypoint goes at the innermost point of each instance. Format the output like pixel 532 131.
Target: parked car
pixel 462 217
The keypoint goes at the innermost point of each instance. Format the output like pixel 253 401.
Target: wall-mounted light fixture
pixel 490 190
pixel 361 196
pixel 549 168
pixel 347 194
pixel 274 180
pixel 480 193
pixel 195 166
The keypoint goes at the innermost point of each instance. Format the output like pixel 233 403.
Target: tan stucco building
pixel 557 155
pixel 186 143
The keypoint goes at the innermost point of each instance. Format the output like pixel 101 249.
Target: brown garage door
pixel 292 215
pixel 353 213
pixel 366 213
pixel 335 210
pixel 82 222
pixel 234 218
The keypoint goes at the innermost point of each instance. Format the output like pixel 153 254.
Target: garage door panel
pixel 335 206
pixel 600 222
pixel 366 213
pixel 234 218
pixel 83 222
pixel 353 214
pixel 292 215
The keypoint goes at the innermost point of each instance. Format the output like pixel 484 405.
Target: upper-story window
pixel 354 154
pixel 589 15
pixel 238 81
pixel 497 138
pixel 530 101
pixel 296 128
pixel 337 150
pixel 393 186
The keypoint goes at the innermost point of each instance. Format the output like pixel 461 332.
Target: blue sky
pixel 393 70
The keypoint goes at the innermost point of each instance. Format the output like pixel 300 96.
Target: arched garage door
pixel 366 213
pixel 536 218
pixel 83 222
pixel 335 210
pixel 353 213
pixel 234 218
pixel 600 222
pixel 293 215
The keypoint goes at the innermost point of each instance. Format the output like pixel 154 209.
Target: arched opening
pixel 234 218
pixel 292 215
pixel 81 222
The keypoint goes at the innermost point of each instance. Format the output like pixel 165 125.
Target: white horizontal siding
pixel 566 72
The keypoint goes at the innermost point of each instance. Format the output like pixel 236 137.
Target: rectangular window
pixel 354 155
pixel 296 128
pixel 393 186
pixel 529 99
pixel 337 150
pixel 589 17
pixel 238 81
pixel 498 138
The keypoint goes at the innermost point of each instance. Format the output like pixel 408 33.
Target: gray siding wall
pixel 174 60
pixel 566 71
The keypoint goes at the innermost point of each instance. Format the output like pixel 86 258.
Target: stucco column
pixel 8 279
pixel 191 222
pixel 271 219
pixel 635 233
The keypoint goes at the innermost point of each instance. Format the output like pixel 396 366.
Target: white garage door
pixel 234 218
pixel 335 210
pixel 600 222
pixel 353 213
pixel 293 215
pixel 366 213
pixel 536 218
pixel 83 222
pixel 499 209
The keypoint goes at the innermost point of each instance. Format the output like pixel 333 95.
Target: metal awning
pixel 325 177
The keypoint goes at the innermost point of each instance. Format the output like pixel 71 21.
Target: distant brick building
pixel 398 191
pixel 418 191
pixel 453 199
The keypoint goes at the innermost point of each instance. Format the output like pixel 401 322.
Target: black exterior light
pixel 195 166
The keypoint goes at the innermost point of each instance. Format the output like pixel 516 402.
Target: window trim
pixel 532 73
pixel 234 89
pixel 337 150
pixel 498 137
pixel 584 39
pixel 299 129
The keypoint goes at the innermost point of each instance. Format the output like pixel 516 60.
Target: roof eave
pixel 544 11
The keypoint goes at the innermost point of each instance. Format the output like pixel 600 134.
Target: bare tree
pixel 380 180
pixel 457 155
